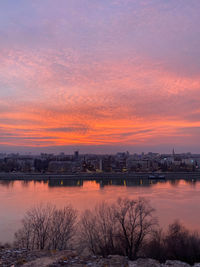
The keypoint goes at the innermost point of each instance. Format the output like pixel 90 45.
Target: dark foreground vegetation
pixel 126 227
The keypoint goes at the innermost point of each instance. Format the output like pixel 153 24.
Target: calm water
pixel 172 200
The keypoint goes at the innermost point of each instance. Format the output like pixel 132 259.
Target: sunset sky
pixel 99 75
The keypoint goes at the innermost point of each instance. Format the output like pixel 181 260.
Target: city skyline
pixel 99 76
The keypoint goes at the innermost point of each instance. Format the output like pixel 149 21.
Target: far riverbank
pixel 97 176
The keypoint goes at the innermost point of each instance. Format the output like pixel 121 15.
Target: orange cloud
pixel 62 100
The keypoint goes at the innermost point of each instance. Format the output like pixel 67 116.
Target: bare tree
pixel 119 228
pixel 177 243
pixel 155 247
pixel 62 227
pixel 46 227
pixel 135 223
pixel 40 218
pixel 24 237
pixel 182 244
pixel 97 229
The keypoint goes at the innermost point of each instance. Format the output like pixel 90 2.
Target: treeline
pixel 126 227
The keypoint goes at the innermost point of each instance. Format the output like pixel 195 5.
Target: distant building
pixel 189 161
pixel 76 155
pixel 60 166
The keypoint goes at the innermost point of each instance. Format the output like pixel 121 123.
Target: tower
pixel 173 153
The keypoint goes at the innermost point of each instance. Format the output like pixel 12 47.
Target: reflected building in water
pixel 137 182
pixel 65 182
pixel 128 182
pixel 7 183
pixel 104 182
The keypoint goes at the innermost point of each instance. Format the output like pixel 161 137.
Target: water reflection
pixel 7 183
pixel 60 182
pixel 117 182
pixel 101 182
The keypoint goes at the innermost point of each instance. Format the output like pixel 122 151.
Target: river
pixel 172 199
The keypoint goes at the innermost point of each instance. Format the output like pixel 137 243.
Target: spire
pixel 173 153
